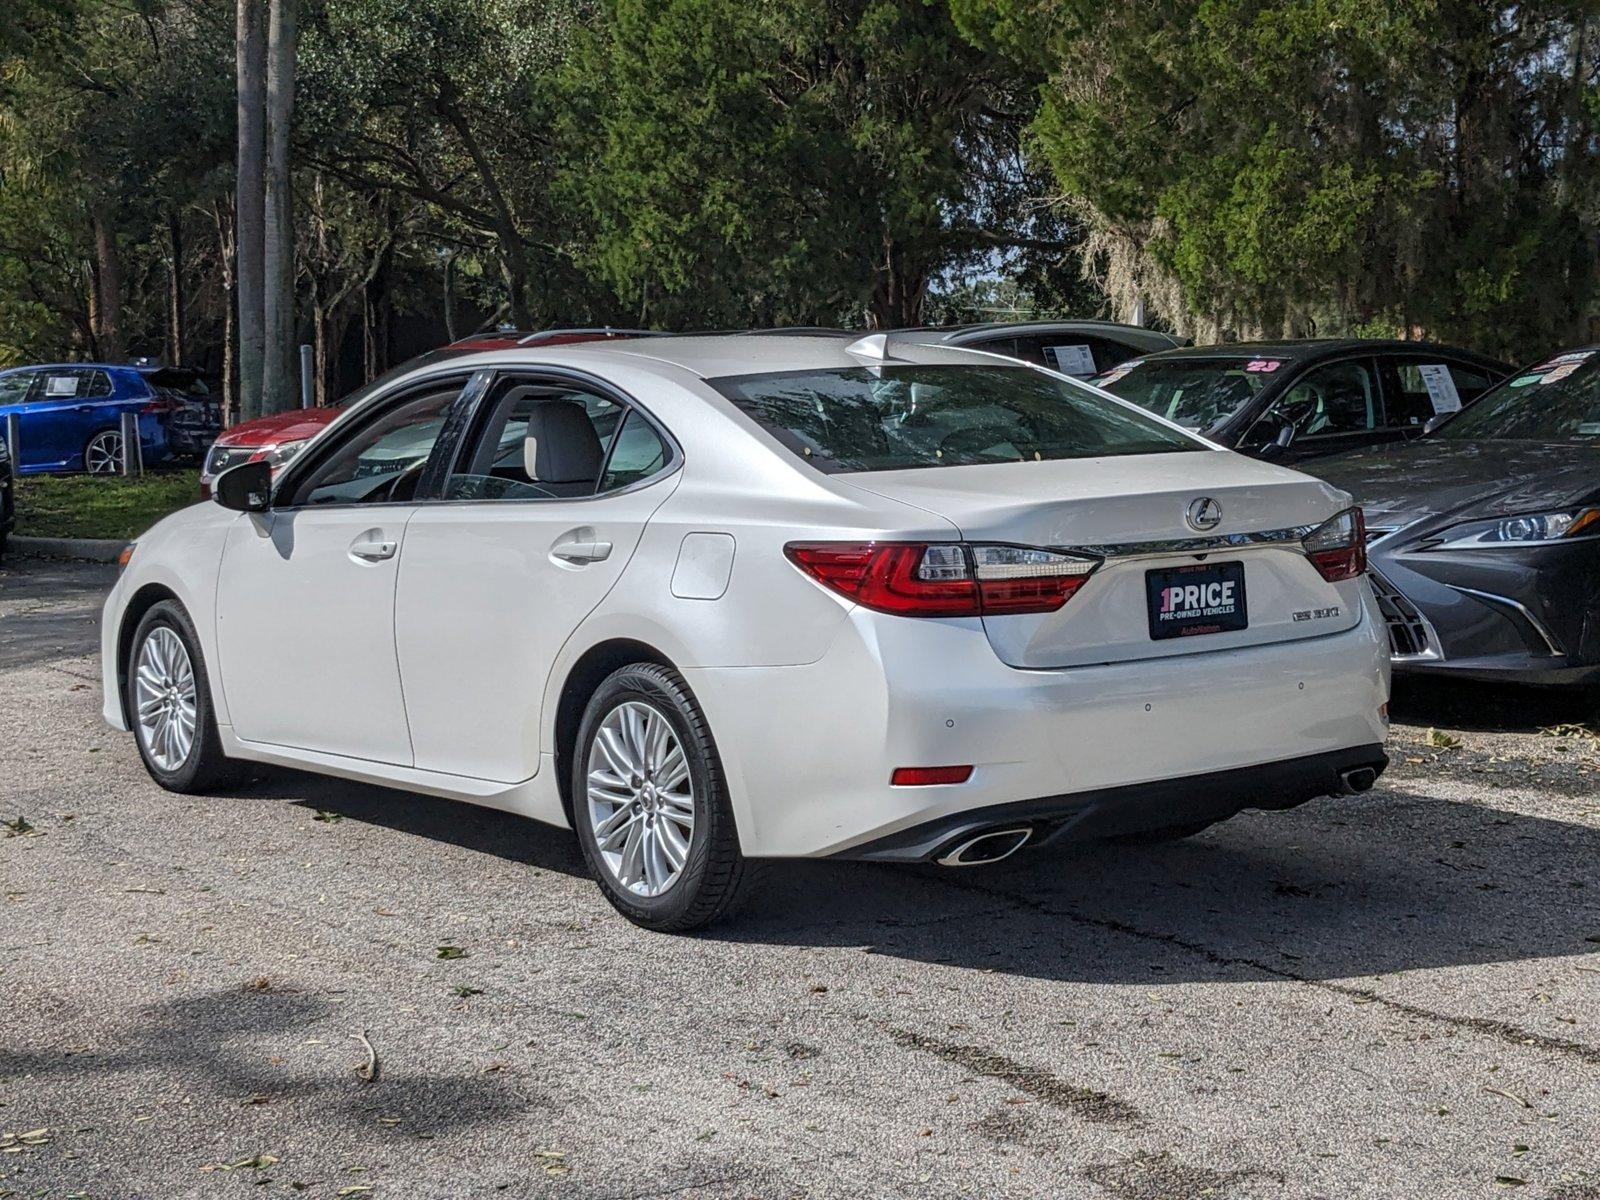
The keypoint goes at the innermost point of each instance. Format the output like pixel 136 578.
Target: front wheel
pixel 650 805
pixel 103 454
pixel 169 704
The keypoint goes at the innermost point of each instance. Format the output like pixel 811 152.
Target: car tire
pixel 164 661
pixel 102 455
pixel 1163 835
pixel 629 803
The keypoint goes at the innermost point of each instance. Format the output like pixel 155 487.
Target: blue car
pixel 71 415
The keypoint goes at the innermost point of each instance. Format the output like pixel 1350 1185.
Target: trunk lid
pixel 1131 511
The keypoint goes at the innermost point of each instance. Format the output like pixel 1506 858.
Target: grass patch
pixel 100 506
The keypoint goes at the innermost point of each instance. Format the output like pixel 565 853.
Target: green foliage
pixel 1329 165
pixel 760 163
pixel 99 506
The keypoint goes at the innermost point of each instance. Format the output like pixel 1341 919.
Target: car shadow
pixel 1387 881
pixel 1491 707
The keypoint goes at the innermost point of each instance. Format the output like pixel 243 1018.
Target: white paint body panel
pixel 812 700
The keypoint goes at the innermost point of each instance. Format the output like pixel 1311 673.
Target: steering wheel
pixel 404 485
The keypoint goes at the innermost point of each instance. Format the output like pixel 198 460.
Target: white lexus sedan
pixel 709 600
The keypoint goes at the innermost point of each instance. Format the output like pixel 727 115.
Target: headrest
pixel 561 446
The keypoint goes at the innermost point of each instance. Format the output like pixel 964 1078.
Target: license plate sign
pixel 1195 600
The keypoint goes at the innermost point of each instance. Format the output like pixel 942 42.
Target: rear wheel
pixel 103 454
pixel 650 805
pixel 169 704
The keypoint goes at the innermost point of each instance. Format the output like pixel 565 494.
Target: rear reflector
pixel 1338 547
pixel 944 579
pixel 928 776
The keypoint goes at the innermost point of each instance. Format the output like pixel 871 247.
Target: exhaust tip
pixel 990 846
pixel 1358 779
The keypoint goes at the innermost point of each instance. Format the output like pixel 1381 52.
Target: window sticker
pixel 1525 380
pixel 56 386
pixel 1441 387
pixel 1560 372
pixel 1072 360
pixel 1263 366
pixel 1117 372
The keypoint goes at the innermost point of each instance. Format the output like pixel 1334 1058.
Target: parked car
pixel 1486 533
pixel 8 495
pixel 71 416
pixel 196 416
pixel 712 599
pixel 278 437
pixel 1290 401
pixel 1077 348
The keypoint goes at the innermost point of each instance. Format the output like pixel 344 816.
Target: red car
pixel 280 436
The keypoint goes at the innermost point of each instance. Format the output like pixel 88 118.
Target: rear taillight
pixel 1338 547
pixel 944 579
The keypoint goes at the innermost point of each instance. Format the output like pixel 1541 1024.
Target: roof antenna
pixel 874 345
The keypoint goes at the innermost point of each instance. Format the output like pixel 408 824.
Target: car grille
pixel 1410 635
pixel 223 457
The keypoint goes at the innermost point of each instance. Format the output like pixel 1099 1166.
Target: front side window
pixel 384 461
pixel 1197 393
pixel 552 441
pixel 1338 398
pixel 897 417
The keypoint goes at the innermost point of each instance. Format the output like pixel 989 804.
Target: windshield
pixel 1197 393
pixel 896 417
pixel 1556 401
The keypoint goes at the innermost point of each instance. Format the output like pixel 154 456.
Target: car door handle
pixel 373 549
pixel 582 552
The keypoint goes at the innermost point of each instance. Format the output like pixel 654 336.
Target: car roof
pixel 716 356
pixel 1131 335
pixel 1311 349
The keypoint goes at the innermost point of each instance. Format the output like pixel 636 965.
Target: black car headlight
pixel 1523 529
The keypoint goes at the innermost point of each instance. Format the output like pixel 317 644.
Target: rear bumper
pixel 808 750
pixel 1137 808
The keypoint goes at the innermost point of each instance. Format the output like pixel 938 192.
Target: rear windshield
pixel 1556 401
pixel 1197 393
pixel 896 417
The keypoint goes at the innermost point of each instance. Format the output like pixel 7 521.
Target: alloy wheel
pixel 640 797
pixel 164 698
pixel 103 456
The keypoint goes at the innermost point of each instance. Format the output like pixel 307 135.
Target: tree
pixel 251 199
pixel 1323 166
pixel 279 369
pixel 789 161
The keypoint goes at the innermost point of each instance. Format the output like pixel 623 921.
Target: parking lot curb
pixel 89 549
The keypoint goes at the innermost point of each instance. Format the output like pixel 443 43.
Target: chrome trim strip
pixel 1539 626
pixel 1196 545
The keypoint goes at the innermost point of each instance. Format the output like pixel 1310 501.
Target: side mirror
pixel 245 488
pixel 1269 438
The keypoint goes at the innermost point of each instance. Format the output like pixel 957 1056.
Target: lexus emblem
pixel 1204 513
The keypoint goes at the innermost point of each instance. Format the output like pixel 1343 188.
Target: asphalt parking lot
pixel 323 989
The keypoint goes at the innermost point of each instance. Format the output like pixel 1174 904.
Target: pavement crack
pixel 1083 1102
pixel 1503 1031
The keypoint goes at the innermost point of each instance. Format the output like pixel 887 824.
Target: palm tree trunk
pixel 250 227
pixel 279 388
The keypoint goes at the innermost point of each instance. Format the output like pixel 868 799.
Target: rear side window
pixel 898 417
pixel 551 441
pixel 76 383
pixel 1421 389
